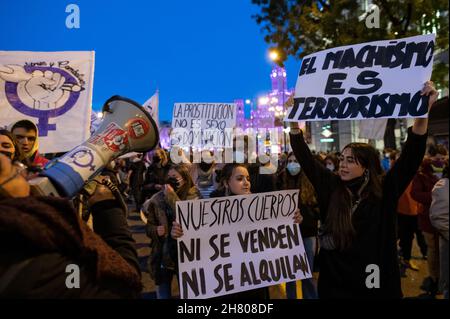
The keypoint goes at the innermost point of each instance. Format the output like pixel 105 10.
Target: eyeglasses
pixel 20 168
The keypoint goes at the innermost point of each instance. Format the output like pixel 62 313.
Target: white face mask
pixel 293 168
pixel 330 167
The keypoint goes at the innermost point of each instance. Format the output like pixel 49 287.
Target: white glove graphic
pixel 47 90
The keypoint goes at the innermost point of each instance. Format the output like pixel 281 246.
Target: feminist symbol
pixel 83 158
pixel 40 91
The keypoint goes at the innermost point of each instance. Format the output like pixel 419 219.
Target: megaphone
pixel 126 127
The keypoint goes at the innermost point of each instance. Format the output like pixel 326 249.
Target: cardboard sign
pixel 381 79
pixel 238 243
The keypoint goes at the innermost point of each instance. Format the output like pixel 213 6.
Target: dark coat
pixel 261 183
pixel 343 274
pixel 153 176
pixel 40 237
pixel 310 213
pixel 161 212
pixel 422 186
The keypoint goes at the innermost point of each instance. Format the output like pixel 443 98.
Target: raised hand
pixel 430 90
pixel 45 90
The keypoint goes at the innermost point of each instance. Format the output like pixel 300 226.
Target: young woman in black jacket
pixel 358 254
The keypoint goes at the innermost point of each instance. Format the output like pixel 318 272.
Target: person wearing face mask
pixel 156 174
pixel 163 260
pixel 9 146
pixel 358 212
pixel 294 177
pixel 422 185
pixel 332 163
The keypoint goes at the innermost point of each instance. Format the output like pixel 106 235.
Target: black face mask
pixel 156 159
pixel 205 166
pixel 173 182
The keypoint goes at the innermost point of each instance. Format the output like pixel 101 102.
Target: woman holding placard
pixel 160 214
pixel 358 255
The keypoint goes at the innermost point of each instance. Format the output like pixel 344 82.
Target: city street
pixel 410 284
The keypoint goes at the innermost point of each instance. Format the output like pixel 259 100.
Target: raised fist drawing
pixel 40 90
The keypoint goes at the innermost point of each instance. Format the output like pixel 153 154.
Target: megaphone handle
pixel 108 101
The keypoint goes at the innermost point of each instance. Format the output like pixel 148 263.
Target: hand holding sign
pixel 298 218
pixel 380 79
pixel 420 126
pixel 176 231
pixel 430 90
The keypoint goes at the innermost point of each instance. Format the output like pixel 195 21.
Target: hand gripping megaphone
pixel 126 127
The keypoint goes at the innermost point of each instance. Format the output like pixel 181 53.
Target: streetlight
pixel 275 56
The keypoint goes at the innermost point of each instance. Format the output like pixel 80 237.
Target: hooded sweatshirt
pixel 33 156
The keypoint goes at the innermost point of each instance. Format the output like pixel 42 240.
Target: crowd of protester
pixel 356 207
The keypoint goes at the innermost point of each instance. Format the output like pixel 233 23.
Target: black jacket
pixel 47 236
pixel 343 274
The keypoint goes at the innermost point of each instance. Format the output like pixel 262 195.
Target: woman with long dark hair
pixel 293 177
pixel 163 260
pixel 358 255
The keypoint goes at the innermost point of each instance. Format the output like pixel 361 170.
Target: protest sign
pixel 51 89
pixel 372 129
pixel 203 124
pixel 381 79
pixel 238 243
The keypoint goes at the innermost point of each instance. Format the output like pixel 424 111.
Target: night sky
pixel 192 51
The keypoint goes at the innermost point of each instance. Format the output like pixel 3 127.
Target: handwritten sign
pixel 381 79
pixel 239 243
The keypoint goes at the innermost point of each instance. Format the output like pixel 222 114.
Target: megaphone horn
pixel 126 127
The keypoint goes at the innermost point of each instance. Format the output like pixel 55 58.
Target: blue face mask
pixel 293 168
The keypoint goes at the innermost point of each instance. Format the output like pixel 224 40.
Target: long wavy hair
pixel 339 218
pixel 301 182
pixel 183 170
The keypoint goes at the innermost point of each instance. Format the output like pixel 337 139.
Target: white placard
pixel 238 243
pixel 203 124
pixel 51 89
pixel 381 79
